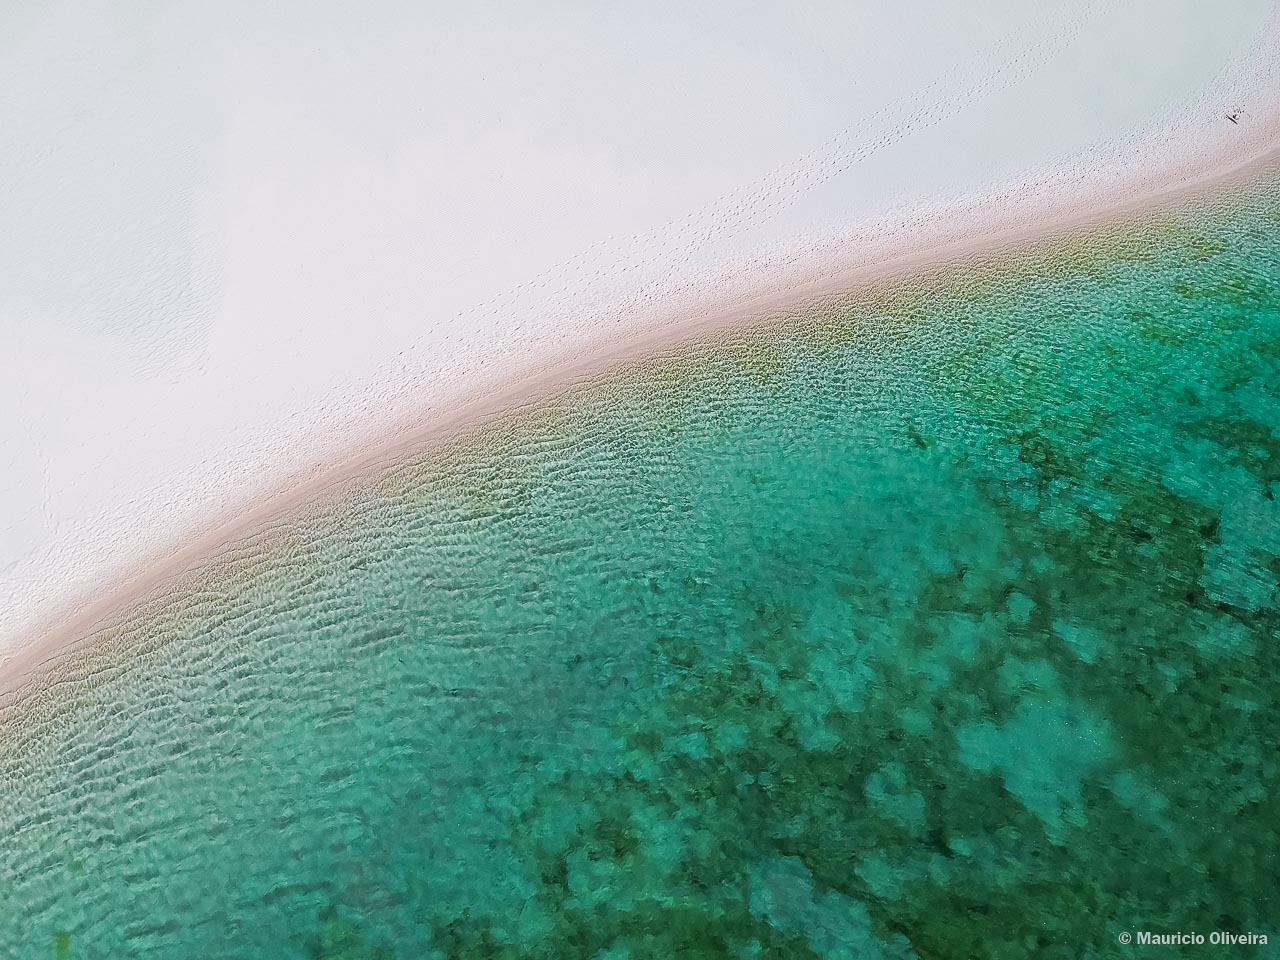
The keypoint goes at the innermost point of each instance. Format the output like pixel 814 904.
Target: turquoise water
pixel 941 623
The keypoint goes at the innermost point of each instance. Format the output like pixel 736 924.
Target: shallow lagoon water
pixel 937 622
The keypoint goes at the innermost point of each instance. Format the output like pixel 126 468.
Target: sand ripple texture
pixel 935 621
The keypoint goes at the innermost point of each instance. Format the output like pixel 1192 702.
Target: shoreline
pixel 62 632
pixel 125 448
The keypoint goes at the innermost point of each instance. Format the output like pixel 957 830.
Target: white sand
pixel 240 243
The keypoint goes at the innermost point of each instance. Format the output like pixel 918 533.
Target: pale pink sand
pixel 915 250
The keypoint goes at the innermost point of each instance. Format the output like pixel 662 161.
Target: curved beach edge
pixel 1134 179
pixel 60 636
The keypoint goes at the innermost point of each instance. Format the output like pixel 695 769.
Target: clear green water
pixel 942 624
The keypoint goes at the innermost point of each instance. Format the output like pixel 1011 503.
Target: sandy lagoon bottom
pixel 941 622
